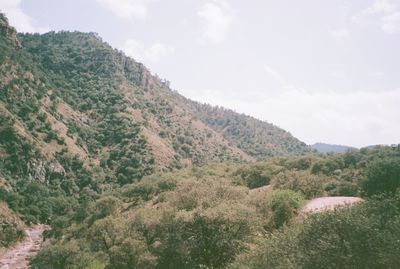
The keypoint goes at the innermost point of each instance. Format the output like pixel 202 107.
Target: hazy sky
pixel 325 70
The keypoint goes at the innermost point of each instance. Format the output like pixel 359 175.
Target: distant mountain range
pixel 330 148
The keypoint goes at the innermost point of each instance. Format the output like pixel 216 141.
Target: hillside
pixel 329 148
pixel 79 118
pixel 11 227
pixel 257 138
pixel 103 166
pixel 72 94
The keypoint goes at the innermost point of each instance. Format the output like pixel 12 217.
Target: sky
pixel 324 70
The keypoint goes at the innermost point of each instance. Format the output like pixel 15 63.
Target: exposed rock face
pixel 37 170
pixel 9 32
pixel 56 170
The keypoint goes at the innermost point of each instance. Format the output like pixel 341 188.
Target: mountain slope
pixel 73 96
pixel 257 138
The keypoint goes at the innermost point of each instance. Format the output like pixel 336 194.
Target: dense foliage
pixel 257 138
pixel 209 218
pixel 11 227
pixel 364 236
pixel 130 174
pixel 79 119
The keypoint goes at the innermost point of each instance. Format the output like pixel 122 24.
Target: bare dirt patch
pixel 329 203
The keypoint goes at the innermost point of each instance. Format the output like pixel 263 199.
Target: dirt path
pixel 17 257
pixel 329 203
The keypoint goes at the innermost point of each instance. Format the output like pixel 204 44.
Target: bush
pixel 51 135
pixel 201 224
pixel 382 176
pixel 276 251
pixel 351 238
pixel 255 176
pixel 130 254
pixel 9 234
pixel 64 256
pixel 301 181
pixel 284 205
pixel 148 188
pixel 364 236
pixel 104 207
pixel 343 188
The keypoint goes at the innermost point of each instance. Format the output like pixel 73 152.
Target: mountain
pixel 86 134
pixel 329 148
pixel 256 138
pixel 71 95
pixel 79 118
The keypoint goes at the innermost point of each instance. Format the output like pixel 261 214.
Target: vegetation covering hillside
pixel 130 174
pixel 217 217
pixel 79 118
pixel 256 138
pixel 11 227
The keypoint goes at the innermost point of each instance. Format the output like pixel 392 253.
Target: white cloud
pixel 217 17
pixel 18 18
pixel 146 54
pixel 380 6
pixel 377 75
pixel 384 13
pixel 391 23
pixel 338 74
pixel 127 9
pixel 340 35
pixel 353 118
pixel 273 73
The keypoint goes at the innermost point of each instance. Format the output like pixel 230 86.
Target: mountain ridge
pixel 74 96
pixel 331 148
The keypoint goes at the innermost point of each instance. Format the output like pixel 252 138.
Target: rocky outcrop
pixel 37 170
pixel 40 171
pixel 56 170
pixel 8 32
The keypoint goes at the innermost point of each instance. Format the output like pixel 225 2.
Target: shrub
pixel 9 234
pixel 255 176
pixel 351 238
pixel 104 207
pixel 64 256
pixel 284 205
pixel 382 176
pixel 301 181
pixel 131 254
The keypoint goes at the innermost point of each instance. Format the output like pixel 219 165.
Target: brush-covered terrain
pixel 78 118
pixel 130 174
pixel 239 216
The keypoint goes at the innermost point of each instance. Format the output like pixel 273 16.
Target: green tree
pixel 130 254
pixel 284 205
pixel 64 256
pixel 382 176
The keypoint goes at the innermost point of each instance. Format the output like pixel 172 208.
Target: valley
pixel 112 169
